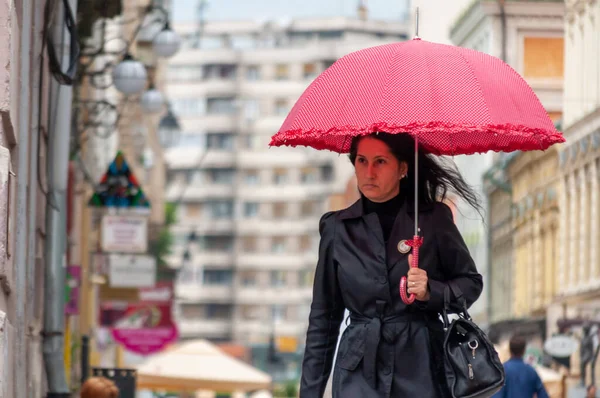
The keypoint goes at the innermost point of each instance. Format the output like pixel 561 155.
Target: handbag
pixel 471 363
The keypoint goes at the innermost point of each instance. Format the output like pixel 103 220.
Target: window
pixel 190 140
pixel 327 173
pixel 249 244
pixel 328 63
pixel 281 107
pixel 191 311
pixel 220 106
pixel 223 141
pixel 252 141
pixel 543 57
pixel 219 71
pixel 251 109
pixel 220 277
pixel 279 312
pixel 249 278
pixel 251 312
pixel 188 106
pixel 280 177
pixel 220 209
pixel 187 275
pixel 282 72
pixel 216 243
pixel 306 278
pixel 279 210
pixel 218 311
pixel 309 175
pixel 182 73
pixel 251 209
pixel 305 243
pixel 278 245
pixel 193 210
pixel 309 208
pixel 252 73
pixel 221 176
pixel 278 278
pixel 251 177
pixel 310 71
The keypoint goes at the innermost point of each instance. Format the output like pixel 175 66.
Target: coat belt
pixel 375 330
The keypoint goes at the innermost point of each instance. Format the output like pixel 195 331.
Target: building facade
pixel 579 259
pixel 528 36
pixel 24 118
pixel 253 211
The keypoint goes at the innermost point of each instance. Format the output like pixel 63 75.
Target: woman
pixel 99 387
pixel 389 349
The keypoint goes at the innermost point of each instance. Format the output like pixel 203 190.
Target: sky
pixel 435 15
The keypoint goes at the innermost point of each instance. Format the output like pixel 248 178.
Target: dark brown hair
pixel 436 177
pixel 517 346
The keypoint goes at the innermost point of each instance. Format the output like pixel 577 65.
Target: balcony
pixel 257 226
pixel 209 122
pixel 266 328
pixel 269 261
pixel 287 192
pixel 269 296
pixel 203 225
pixel 198 192
pixel 203 293
pixel 204 328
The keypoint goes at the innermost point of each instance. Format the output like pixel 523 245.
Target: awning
pixel 199 365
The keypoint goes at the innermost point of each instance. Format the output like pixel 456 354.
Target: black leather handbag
pixel 472 366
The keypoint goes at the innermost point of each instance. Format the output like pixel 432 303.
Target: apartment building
pixel 247 231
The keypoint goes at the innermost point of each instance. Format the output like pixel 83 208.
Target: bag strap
pixel 452 286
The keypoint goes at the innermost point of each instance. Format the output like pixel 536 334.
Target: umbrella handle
pixel 415 243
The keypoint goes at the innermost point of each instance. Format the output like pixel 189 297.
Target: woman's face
pixel 378 172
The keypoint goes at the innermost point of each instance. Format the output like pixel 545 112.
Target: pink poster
pixel 144 328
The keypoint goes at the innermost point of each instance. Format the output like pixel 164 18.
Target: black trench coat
pixel 389 349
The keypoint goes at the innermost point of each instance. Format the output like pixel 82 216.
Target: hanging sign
pixel 118 187
pixel 124 234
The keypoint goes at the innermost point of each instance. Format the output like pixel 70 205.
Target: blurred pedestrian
pixel 591 391
pixel 389 349
pixel 522 381
pixel 99 387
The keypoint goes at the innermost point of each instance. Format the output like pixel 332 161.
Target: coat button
pixel 382 280
pixel 387 370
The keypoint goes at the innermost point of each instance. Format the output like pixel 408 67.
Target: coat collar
pixel 356 210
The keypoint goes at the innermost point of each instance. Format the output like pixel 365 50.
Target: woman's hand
pixel 417 282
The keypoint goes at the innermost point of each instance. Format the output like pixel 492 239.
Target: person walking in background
pixel 591 391
pixel 99 387
pixel 522 381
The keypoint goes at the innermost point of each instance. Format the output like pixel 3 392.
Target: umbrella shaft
pixel 416 185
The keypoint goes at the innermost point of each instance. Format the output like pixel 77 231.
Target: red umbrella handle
pixel 415 243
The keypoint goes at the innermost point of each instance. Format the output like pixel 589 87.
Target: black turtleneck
pixel 386 212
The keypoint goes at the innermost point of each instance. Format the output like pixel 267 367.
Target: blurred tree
pixel 162 246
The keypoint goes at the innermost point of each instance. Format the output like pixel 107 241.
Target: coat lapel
pixel 403 229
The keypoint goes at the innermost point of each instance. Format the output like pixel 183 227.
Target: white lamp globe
pixel 166 43
pixel 152 100
pixel 129 76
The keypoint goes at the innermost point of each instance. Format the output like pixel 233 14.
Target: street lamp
pixel 152 100
pixel 169 130
pixel 166 43
pixel 129 76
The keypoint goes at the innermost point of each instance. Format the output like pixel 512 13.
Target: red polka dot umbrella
pixel 452 100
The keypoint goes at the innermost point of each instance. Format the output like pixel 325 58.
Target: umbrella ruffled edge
pixel 512 134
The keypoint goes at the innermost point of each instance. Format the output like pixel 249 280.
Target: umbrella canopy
pixel 454 100
pixel 199 365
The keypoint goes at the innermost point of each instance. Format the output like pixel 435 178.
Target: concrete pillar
pixel 594 221
pixel 563 225
pixel 571 260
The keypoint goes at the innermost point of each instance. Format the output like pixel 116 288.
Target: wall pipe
pixel 56 214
